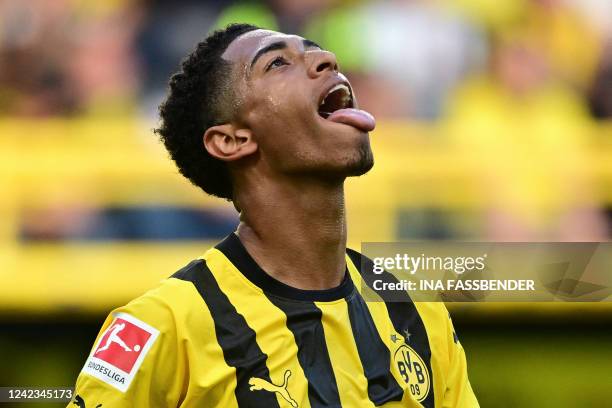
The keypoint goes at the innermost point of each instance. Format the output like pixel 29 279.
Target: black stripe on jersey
pixel 236 338
pixel 304 321
pixel 403 315
pixel 374 355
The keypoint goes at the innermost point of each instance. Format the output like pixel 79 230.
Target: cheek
pixel 281 114
pixel 284 100
pixel 283 119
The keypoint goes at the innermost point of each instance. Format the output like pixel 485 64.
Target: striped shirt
pixel 221 332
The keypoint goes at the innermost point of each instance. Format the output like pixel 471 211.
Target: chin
pixel 363 162
pixel 357 163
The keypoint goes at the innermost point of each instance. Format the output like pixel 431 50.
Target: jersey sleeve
pixel 135 360
pixel 459 393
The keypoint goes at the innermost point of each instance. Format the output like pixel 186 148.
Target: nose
pixel 321 61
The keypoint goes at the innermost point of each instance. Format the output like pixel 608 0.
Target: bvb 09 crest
pixel 413 371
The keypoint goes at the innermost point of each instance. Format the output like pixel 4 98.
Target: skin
pixel 288 164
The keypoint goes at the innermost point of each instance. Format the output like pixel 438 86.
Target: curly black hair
pixel 197 99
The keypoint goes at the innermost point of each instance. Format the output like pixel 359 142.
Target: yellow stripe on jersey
pixel 343 354
pixel 269 324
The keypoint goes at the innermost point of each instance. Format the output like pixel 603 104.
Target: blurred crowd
pixel 407 58
pixel 497 76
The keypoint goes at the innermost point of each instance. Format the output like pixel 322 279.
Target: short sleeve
pixel 134 361
pixel 459 393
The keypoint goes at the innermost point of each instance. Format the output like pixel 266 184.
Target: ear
pixel 227 143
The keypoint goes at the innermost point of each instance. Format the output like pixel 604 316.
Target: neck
pixel 296 232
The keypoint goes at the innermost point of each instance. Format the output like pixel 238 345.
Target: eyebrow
pixel 280 45
pixel 308 43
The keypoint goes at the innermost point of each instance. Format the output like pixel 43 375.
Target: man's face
pixel 291 96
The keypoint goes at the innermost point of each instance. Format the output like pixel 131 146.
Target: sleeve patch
pixel 118 354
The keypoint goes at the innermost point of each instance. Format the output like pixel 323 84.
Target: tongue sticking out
pixel 354 117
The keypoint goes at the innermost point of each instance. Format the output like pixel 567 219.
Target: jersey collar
pixel 237 254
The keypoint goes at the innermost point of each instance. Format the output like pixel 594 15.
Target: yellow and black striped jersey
pixel 222 333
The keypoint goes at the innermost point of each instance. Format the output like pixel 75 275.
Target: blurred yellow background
pixel 494 124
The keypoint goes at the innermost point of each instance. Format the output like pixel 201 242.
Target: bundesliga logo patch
pixel 120 351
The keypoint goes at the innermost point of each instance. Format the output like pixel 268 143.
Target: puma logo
pixel 257 384
pixel 78 401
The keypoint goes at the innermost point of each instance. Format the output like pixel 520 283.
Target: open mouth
pixel 338 97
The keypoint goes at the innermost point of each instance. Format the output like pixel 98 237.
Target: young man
pixel 272 316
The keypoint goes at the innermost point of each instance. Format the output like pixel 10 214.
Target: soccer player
pixel 272 316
